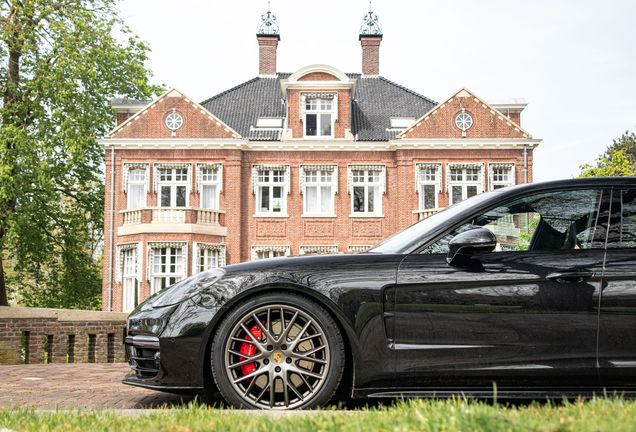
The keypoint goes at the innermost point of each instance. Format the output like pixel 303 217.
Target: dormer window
pixel 319 117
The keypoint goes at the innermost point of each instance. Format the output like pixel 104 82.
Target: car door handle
pixel 576 276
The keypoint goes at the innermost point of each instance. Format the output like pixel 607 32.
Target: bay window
pixel 167 267
pixel 131 283
pixel 173 187
pixel 136 188
pixel 209 188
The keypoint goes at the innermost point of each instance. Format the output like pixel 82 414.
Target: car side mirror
pixel 470 243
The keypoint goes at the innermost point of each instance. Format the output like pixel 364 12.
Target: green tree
pixel 626 144
pixel 60 63
pixel 616 166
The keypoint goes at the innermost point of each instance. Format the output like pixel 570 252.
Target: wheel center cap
pixel 278 357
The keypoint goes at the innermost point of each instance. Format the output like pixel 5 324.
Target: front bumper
pixel 166 347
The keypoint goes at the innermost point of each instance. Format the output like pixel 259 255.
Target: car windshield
pixel 412 235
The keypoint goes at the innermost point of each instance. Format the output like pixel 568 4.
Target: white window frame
pixel 321 171
pixel 152 275
pixel 494 181
pixel 201 250
pixel 259 182
pixel 353 182
pixel 203 180
pixel 128 180
pixel 164 273
pixel 306 98
pixel 423 179
pixel 464 183
pixel 123 274
pixel 170 180
pixel 131 296
pixel 272 249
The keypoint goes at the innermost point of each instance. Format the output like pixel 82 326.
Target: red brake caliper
pixel 250 350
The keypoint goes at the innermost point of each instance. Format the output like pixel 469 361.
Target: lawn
pixel 601 414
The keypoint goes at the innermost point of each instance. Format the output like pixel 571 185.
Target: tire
pixel 302 354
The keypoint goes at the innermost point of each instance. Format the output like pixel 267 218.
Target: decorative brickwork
pixel 271 228
pixel 319 228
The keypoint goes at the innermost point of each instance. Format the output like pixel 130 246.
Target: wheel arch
pixel 345 388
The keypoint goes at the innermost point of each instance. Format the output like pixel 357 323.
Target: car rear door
pixel 523 315
pixel 617 329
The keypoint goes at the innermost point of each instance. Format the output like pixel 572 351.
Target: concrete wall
pixel 86 336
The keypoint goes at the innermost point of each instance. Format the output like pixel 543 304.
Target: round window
pixel 174 121
pixel 463 121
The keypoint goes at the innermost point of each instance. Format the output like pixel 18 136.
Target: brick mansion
pixel 310 161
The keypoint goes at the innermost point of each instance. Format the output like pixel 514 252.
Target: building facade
pixel 315 161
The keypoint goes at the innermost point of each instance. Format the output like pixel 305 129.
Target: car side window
pixel 622 223
pixel 548 221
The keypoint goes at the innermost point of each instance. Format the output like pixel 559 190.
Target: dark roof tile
pixel 377 100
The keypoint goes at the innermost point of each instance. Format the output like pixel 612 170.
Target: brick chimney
pixel 267 45
pixel 370 54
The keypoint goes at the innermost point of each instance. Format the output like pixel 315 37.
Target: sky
pixel 574 62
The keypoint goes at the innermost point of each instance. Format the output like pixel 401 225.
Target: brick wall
pixel 71 335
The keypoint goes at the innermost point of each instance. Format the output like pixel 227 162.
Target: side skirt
pixel 501 393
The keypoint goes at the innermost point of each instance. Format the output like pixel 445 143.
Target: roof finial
pixel 371 24
pixel 268 24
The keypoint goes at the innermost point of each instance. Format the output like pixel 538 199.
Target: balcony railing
pixel 172 220
pixel 423 214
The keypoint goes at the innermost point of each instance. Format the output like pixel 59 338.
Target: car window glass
pixel 548 221
pixel 622 229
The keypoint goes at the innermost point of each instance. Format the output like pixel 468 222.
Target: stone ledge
pixel 62 315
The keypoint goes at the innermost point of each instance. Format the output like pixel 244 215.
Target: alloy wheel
pixel 277 357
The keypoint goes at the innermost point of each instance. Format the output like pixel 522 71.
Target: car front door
pixel 523 315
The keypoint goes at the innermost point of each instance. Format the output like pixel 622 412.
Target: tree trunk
pixel 3 287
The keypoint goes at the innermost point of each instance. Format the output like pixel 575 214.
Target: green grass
pixel 601 414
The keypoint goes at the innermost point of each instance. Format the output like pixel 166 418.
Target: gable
pixel 150 122
pixel 487 122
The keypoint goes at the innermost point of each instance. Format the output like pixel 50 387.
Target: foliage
pixel 616 166
pixel 60 63
pixel 626 144
pixel 607 414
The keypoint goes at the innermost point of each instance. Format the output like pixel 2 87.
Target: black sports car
pixel 532 287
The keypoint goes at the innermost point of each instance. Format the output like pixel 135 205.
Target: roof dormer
pixel 318 99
